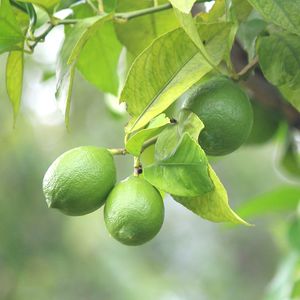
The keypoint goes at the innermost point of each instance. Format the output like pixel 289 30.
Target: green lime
pixel 226 113
pixel 79 180
pixel 265 124
pixel 134 211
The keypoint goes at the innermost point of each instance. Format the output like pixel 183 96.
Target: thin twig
pixel 124 17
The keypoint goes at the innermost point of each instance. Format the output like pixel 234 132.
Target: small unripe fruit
pixel 79 180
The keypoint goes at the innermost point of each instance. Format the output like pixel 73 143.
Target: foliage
pixel 169 47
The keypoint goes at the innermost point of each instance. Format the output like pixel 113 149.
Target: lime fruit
pixel 79 180
pixel 134 211
pixel 226 113
pixel 265 124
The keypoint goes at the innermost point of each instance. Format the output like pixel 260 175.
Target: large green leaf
pixel 162 73
pixel 138 33
pixel 184 172
pixel 14 79
pixel 74 42
pixel 281 199
pixel 213 205
pixel 99 58
pixel 48 5
pixel 184 6
pixel 10 32
pixel 279 58
pixel 135 142
pixel 282 13
pixel 189 25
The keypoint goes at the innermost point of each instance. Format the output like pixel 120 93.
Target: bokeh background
pixel 46 255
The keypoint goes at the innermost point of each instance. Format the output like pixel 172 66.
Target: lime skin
pixel 78 181
pixel 134 211
pixel 226 112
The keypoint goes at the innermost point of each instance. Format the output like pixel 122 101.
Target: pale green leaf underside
pixel 212 206
pixel 184 172
pixel 74 42
pixel 183 5
pixel 161 74
pixel 135 143
pixel 282 13
pixel 14 79
pixel 170 137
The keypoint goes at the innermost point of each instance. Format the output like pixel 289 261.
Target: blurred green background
pixel 46 255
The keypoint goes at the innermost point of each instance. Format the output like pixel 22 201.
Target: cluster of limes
pixel 83 179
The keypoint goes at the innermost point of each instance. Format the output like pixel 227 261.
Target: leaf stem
pixel 118 151
pixel 41 37
pixel 124 17
pixel 244 73
pixel 149 143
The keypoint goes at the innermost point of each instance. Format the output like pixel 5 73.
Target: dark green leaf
pixel 282 13
pixel 248 33
pixel 279 58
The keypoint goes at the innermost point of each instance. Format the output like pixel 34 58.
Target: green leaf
pixel 291 93
pixel 290 160
pixel 284 198
pixel 242 9
pixel 218 39
pixel 188 24
pixel 213 205
pixel 184 172
pixel 74 42
pixel 282 13
pixel 168 140
pixel 279 58
pixel 48 5
pixel 135 142
pixel 248 33
pixel 10 32
pixel 14 79
pixel 98 60
pixel 184 6
pixel 162 73
pixel 138 33
pixel 216 13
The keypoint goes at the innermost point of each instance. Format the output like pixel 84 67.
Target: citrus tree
pixel 196 83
